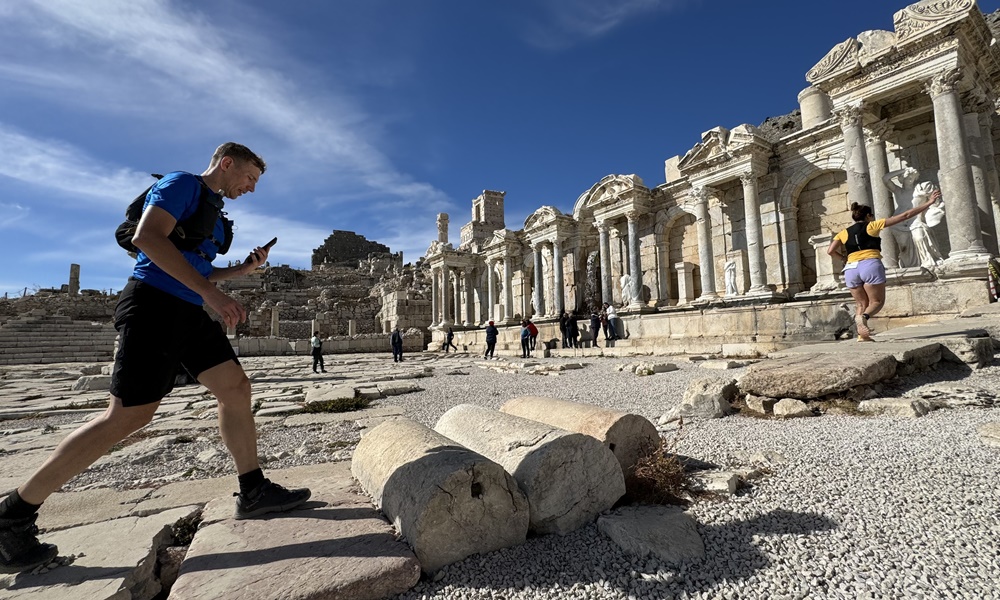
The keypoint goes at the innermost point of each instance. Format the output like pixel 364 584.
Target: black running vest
pixel 858 239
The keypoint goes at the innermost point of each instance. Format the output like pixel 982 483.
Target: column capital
pixel 849 115
pixel 701 194
pixel 602 226
pixel 748 178
pixel 877 132
pixel 943 82
pixel 633 215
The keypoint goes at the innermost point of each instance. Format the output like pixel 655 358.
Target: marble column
pixel 538 294
pixel 755 235
pixel 977 165
pixel 435 293
pixel 855 159
pixel 491 292
pixel 558 287
pixel 989 157
pixel 445 296
pixel 469 305
pixel 791 253
pixel 508 291
pixel 882 202
pixel 706 256
pixel 634 261
pixel 459 277
pixel 607 293
pixel 957 190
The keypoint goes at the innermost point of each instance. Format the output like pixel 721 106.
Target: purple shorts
pixel 869 270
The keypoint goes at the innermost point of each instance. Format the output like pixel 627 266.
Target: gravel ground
pixel 865 507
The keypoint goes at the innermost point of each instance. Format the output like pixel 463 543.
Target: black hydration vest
pixel 858 239
pixel 187 234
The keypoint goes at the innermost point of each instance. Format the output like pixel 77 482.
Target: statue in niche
pixel 626 283
pixel 731 278
pixel 917 246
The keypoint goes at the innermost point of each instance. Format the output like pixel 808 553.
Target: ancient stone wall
pixel 345 249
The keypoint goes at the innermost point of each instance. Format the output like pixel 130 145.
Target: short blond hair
pixel 239 153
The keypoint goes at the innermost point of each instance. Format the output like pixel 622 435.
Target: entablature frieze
pixel 755 163
pixel 620 211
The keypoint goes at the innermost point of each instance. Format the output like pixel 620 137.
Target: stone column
pixel 957 190
pixel 634 261
pixel 706 256
pixel 538 294
pixel 435 294
pixel 791 254
pixel 977 165
pixel 74 279
pixel 882 203
pixel 989 158
pixel 508 291
pixel 558 287
pixel 607 294
pixel 459 277
pixel 445 293
pixel 855 160
pixel 442 224
pixel 755 235
pixel 467 283
pixel 491 288
pixel 274 321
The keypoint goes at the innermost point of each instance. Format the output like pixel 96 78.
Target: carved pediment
pixel 842 59
pixel 609 190
pixel 929 14
pixel 438 247
pixel 500 237
pixel 714 144
pixel 542 217
pixel 743 136
pixel 874 43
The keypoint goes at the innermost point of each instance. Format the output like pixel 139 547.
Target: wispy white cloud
pixel 557 24
pixel 12 213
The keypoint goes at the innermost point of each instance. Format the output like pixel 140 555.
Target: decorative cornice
pixel 633 215
pixel 942 83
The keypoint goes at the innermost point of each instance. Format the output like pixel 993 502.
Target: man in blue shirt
pixel 162 327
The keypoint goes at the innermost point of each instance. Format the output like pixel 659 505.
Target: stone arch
pixel 789 194
pixel 664 221
pixel 821 206
pixel 582 208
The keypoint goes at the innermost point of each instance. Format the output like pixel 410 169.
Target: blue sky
pixel 373 116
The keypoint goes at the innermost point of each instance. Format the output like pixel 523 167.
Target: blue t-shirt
pixel 178 193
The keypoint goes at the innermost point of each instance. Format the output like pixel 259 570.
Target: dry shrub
pixel 659 477
pixel 337 405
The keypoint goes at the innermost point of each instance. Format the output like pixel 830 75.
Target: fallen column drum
pixel 446 500
pixel 569 478
pixel 630 437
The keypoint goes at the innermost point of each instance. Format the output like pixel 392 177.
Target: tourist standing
pixel 595 328
pixel 448 341
pixel 396 341
pixel 525 340
pixel 564 329
pixel 317 352
pixel 491 340
pixel 860 246
pixel 533 331
pixel 573 330
pixel 164 326
pixel 609 310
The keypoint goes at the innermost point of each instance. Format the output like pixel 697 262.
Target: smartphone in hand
pixel 267 246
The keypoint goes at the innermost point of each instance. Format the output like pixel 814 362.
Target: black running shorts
pixel 159 334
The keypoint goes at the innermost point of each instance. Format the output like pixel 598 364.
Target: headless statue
pixel 914 238
pixel 731 278
pixel 626 283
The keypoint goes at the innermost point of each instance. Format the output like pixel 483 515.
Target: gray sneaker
pixel 20 549
pixel 269 497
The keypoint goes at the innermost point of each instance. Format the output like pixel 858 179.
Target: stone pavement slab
pixel 73 509
pixel 813 375
pixel 339 547
pixel 912 355
pixel 15 468
pixel 115 561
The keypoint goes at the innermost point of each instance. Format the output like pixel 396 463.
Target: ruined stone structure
pixel 348 249
pixel 743 219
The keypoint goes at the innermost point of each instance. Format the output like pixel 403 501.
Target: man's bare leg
pixel 231 387
pixel 84 446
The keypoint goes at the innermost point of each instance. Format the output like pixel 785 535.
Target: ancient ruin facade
pixel 745 216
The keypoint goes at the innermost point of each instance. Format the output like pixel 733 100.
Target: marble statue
pixel 626 283
pixel 913 237
pixel 731 278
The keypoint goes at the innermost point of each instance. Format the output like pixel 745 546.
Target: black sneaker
pixel 20 549
pixel 269 497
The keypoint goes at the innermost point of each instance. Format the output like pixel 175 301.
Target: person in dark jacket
pixel 396 340
pixel 449 341
pixel 525 340
pixel 491 340
pixel 564 329
pixel 573 332
pixel 595 327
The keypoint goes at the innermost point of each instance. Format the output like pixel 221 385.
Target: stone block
pixel 447 501
pixel 708 398
pixel 989 434
pixel 761 404
pixel 630 437
pixel 92 383
pixel 791 408
pixel 899 407
pixel 568 478
pixel 814 375
pixel 665 532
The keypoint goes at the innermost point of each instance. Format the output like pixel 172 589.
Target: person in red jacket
pixel 533 331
